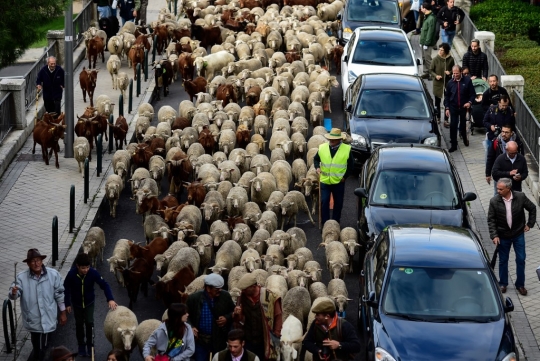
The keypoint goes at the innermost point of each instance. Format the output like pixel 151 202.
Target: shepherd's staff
pixel 320 201
pixel 37 98
pixel 14 337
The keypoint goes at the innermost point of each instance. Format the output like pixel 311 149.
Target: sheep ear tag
pixel 205 64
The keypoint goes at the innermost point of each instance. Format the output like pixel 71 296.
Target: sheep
pixel 235 201
pixel 104 107
pixel 316 115
pixel 330 232
pixel 189 221
pixel 154 226
pixel 241 234
pixel 298 278
pixel 338 291
pixel 277 284
pixel 349 237
pixel 282 172
pixel 315 98
pixel 283 125
pixel 164 130
pixel 296 303
pixel 186 109
pixel 200 120
pixel 291 334
pixel 291 204
pixel 120 258
pixel 115 45
pixel 220 232
pixel 260 125
pixel 251 214
pixel 203 245
pixel 281 140
pixel 188 137
pixel 251 260
pixel 212 206
pixel 313 268
pixel 113 66
pixel 146 109
pixel 260 163
pixel 300 94
pixel 273 256
pixel 298 259
pixel 143 332
pixel 224 187
pixel 268 221
pixel 119 328
pixel 316 290
pixel 136 179
pixel 227 257
pixel 162 260
pixel 234 276
pixel 273 203
pixel 196 285
pixel 113 188
pixel 212 63
pixel 148 188
pixel 261 187
pixel 227 140
pixel 94 244
pixel 141 126
pixel 208 173
pixel 337 259
pixel 240 158
pixel 185 257
pixel 299 147
pixel 122 83
pixel 81 151
pixel 194 151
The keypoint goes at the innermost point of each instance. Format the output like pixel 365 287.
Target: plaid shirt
pixel 206 318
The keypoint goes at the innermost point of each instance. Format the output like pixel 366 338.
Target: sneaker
pixel 453 149
pixel 89 350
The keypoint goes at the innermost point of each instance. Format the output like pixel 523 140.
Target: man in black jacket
pixel 494 93
pixel 497 116
pixel 51 79
pixel 210 316
pixel 476 61
pixel 511 165
pixel 330 337
pixel 498 147
pixel 235 348
pixel 449 16
pixel 507 227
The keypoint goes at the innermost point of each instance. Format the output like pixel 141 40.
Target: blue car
pixel 428 293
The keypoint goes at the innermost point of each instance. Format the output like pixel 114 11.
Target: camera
pixel 497 131
pixel 325 351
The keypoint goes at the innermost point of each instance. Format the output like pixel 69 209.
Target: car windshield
pixel 383 53
pixel 372 11
pixel 441 295
pixel 405 188
pixel 383 103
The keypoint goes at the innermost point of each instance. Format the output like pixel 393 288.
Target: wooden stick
pixel 320 202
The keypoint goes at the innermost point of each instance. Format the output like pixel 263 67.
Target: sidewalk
pixel 31 193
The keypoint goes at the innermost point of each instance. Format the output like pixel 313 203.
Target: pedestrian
pixel 496 116
pixel 415 7
pixel 436 6
pixel 115 355
pixel 104 8
pixel 334 164
pixel 511 165
pixel 210 317
pixel 127 8
pixel 140 11
pixel 258 313
pixel 476 61
pixel 235 350
pixel 449 16
pixel 61 353
pixel 331 337
pixel 494 93
pixel 80 298
pixel 428 38
pixel 51 79
pixel 507 227
pixel 42 294
pixel 441 72
pixel 465 72
pixel 459 95
pixel 173 339
pixel 498 147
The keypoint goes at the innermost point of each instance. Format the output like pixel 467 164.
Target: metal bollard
pixel 7 311
pixel 54 240
pixel 175 7
pixel 99 150
pixel 71 208
pixel 138 79
pixel 154 49
pixel 121 105
pixel 145 65
pixel 86 180
pixel 130 97
pixel 111 126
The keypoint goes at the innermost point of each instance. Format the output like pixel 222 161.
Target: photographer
pixel 497 116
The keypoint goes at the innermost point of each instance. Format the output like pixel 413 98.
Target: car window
pixel 372 11
pixel 350 47
pixel 383 103
pixel 415 189
pixel 441 294
pixel 371 169
pixel 380 263
pixel 385 53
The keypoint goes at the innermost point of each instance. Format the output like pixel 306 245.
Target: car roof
pixel 405 156
pixel 381 33
pixel 389 81
pixel 438 246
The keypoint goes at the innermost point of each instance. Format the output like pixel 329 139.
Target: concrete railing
pixel 6 115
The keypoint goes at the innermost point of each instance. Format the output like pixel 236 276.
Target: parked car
pixel 357 13
pixel 389 108
pixel 376 49
pixel 402 183
pixel 428 293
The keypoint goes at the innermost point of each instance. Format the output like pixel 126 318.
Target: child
pixel 80 297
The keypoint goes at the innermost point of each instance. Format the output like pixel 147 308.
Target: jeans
pixel 84 321
pixel 104 11
pixel 338 193
pixel 40 342
pixel 448 36
pixel 457 119
pixel 202 352
pixel 504 254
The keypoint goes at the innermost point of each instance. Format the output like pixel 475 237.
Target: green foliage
pixel 53 24
pixel 505 16
pixel 18 25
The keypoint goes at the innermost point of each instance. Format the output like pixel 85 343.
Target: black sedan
pixel 430 294
pixel 402 183
pixel 389 108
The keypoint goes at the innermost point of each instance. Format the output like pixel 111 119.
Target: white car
pixel 377 49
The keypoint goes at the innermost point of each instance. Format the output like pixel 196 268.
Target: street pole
pixel 68 80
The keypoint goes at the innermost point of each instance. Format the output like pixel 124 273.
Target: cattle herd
pixel 232 203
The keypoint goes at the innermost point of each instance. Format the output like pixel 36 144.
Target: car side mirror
pixel 348 108
pixel 417 61
pixel 508 305
pixel 469 197
pixel 372 302
pixel 360 193
pixel 345 58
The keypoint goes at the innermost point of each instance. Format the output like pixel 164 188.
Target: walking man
pixel 476 61
pixel 140 12
pixel 511 165
pixel 428 37
pixel 80 298
pixel 459 95
pixel 334 164
pixel 42 294
pixel 507 227
pixel 449 16
pixel 235 350
pixel 494 93
pixel 498 147
pixel 51 79
pixel 497 116
pixel 210 314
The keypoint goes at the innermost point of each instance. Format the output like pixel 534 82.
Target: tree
pixel 18 25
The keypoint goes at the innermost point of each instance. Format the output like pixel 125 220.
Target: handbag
pixel 415 5
pixel 163 357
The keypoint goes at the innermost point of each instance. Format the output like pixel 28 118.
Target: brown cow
pixel 292 56
pixel 207 140
pixel 185 65
pixel 180 123
pixel 96 46
pixel 120 129
pixel 47 134
pixel 243 137
pixel 196 192
pixel 136 56
pixel 225 93
pixel 88 79
pixel 180 33
pixel 157 145
pixel 143 39
pixel 193 87
pixel 169 214
pixel 157 246
pixel 337 52
pixel 162 37
pixel 207 36
pixel 83 128
pixel 169 291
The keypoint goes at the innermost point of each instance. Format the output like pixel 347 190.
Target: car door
pixel 347 54
pixel 364 217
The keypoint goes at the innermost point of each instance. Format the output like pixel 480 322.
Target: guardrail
pixel 30 90
pixel 467 29
pixel 6 115
pixel 81 23
pixel 527 124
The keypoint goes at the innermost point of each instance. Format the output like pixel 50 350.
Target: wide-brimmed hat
pixel 247 280
pixel 33 253
pixel 61 353
pixel 335 133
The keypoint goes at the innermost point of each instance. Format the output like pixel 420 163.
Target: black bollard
pixel 99 150
pixel 111 126
pixel 130 96
pixel 54 240
pixel 71 208
pixel 145 65
pixel 120 105
pixel 86 180
pixel 154 49
pixel 138 79
pixel 175 7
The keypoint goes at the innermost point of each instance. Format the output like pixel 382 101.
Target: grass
pixel 53 24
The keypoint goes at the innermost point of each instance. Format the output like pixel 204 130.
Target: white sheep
pixel 94 244
pixel 291 336
pixel 120 258
pixel 260 163
pixel 251 260
pixel 212 63
pixel 227 257
pixel 337 259
pixel 203 245
pixel 282 172
pixel 154 226
pixel 241 234
pixel 234 276
pixel 273 256
pixel 268 221
pixel 330 232
pixel 188 221
pixel 115 45
pixel 349 237
pixel 297 278
pixel 313 268
pixel 143 332
pixel 281 140
pixel 241 159
pixel 113 188
pixel 220 232
pixel 162 260
pixel 141 126
pixel 235 201
pixel 185 257
pixel 136 178
pixel 337 289
pixel 104 107
pixel 277 284
pixel 187 109
pixel 212 206
pixel 261 124
pixel 227 140
pixel 298 259
pixel 196 285
pixel 119 328
pixel 163 130
pixel 122 83
pixel 167 114
pixel 293 202
pixel 261 187
pixel 113 66
pixel 81 151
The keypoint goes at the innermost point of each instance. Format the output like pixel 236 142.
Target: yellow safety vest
pixel 333 169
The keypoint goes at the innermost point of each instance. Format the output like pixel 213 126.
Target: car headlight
pixel 510 357
pixel 351 76
pixel 382 355
pixel 431 141
pixel 358 141
pixel 347 30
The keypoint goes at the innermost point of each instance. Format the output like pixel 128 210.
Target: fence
pixel 467 29
pixel 81 23
pixel 7 113
pixel 528 127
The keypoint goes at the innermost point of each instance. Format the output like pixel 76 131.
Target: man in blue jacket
pixel 51 79
pixel 80 297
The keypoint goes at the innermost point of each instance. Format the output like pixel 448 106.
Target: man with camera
pixel 497 116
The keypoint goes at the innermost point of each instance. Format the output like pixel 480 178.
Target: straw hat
pixel 335 133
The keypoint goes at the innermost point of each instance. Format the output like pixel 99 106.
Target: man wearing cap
pixel 334 164
pixel 329 336
pixel 42 293
pixel 61 353
pixel 210 315
pixel 258 313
